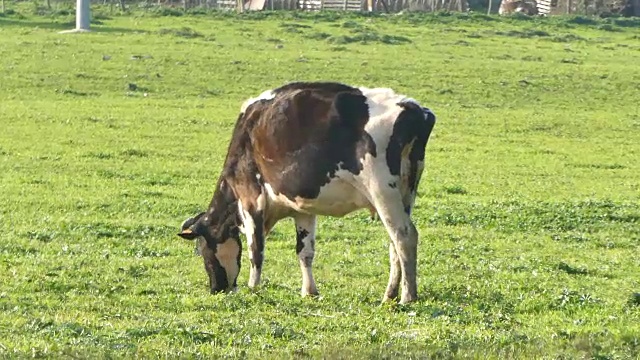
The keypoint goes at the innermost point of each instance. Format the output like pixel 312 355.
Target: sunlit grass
pixel 528 211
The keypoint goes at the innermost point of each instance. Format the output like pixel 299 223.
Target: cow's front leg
pixel 305 248
pixel 253 226
pixel 395 274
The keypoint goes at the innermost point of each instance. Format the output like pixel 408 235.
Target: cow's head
pixel 217 240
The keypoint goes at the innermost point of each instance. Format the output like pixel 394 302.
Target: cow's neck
pixel 223 194
pixel 223 210
pixel 239 180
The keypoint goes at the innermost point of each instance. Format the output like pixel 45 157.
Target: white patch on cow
pixel 249 227
pixel 240 210
pixel 201 243
pixel 227 254
pixel 336 198
pixel 265 95
pixel 261 201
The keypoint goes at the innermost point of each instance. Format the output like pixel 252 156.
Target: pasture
pixel 528 211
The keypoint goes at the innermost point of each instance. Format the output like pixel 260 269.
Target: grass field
pixel 529 210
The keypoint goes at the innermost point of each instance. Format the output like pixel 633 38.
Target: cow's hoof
pixel 407 299
pixel 310 294
pixel 386 299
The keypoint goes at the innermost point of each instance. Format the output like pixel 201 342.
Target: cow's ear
pixel 188 234
pixel 190 221
pixel 188 229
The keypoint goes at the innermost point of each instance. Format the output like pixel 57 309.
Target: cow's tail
pixel 413 130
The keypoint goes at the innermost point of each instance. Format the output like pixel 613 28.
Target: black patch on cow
pixel 412 123
pixel 307 261
pixel 238 259
pixel 418 152
pixel 407 209
pixel 393 185
pixel 220 275
pixel 334 87
pixel 319 129
pixel 300 235
pixel 257 248
pixel 222 218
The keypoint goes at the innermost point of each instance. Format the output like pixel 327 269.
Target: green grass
pixel 529 211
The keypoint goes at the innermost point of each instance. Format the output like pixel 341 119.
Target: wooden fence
pixel 393 6
pixel 545 7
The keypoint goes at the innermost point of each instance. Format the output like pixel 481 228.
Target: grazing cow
pixel 308 149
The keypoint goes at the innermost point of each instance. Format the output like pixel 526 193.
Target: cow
pixel 309 149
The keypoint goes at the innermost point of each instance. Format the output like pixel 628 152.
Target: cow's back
pixel 314 145
pixel 306 133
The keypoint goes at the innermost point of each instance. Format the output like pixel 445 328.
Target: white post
pixel 83 10
pixel 83 13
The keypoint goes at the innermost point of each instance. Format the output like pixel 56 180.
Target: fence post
pixel 83 16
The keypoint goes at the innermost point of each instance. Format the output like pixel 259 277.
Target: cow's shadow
pixel 64 25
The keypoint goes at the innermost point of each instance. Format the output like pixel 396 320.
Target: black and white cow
pixel 308 149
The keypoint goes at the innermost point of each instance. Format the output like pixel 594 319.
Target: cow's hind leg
pixel 305 248
pixel 395 275
pixel 404 240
